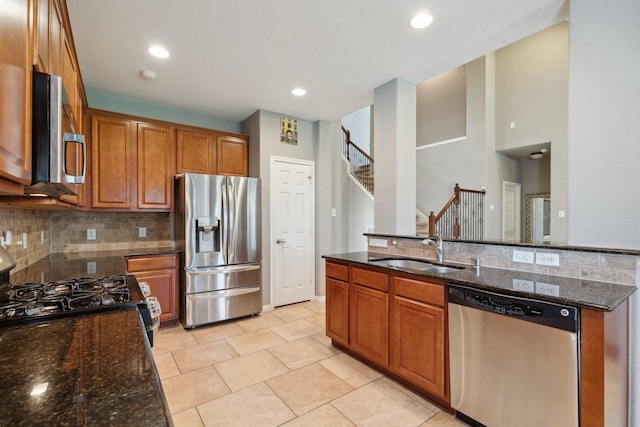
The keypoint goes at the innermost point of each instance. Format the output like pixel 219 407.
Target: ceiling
pixel 231 58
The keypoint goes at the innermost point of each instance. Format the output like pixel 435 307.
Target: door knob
pixel 281 241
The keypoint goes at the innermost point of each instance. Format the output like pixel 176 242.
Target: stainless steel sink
pixel 402 263
pixel 414 265
pixel 440 269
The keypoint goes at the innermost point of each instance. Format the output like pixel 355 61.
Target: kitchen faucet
pixel 437 245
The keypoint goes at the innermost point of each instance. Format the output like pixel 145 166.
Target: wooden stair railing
pixel 461 217
pixel 360 163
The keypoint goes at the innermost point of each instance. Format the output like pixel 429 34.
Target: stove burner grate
pixel 43 299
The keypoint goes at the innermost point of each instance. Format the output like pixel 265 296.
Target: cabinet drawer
pixel 427 292
pixel 337 271
pixel 370 279
pixel 151 263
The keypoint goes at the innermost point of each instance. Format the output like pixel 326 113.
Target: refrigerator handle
pixel 225 219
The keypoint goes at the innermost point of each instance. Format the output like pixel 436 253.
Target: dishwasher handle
pixel 531 310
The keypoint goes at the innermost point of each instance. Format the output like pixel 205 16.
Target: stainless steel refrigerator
pixel 217 227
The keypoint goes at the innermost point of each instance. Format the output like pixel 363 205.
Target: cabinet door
pixel 155 166
pixel 15 91
pixel 369 323
pixel 418 345
pixel 196 152
pixel 41 36
pixel 162 284
pixel 337 318
pixel 70 81
pixel 111 162
pixel 55 38
pixel 233 156
pixel 161 273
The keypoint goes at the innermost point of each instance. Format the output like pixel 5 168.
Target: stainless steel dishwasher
pixel 514 361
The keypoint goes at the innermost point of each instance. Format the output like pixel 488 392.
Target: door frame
pixel 312 222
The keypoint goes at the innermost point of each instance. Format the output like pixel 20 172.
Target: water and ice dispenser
pixel 208 234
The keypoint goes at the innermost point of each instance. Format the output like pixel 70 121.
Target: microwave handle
pixel 75 137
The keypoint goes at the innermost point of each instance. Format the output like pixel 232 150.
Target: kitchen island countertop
pixel 92 369
pixel 564 290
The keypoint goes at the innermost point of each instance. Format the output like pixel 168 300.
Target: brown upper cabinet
pixel 132 164
pixel 15 97
pixel 112 151
pixel 155 153
pixel 233 155
pixel 209 152
pixel 196 151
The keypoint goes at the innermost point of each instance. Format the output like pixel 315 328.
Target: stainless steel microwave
pixel 59 153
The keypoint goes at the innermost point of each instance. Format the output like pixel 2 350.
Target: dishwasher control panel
pixel 503 307
pixel 542 312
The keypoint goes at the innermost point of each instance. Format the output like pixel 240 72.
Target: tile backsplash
pixel 588 265
pixel 114 230
pixel 32 222
pixel 66 231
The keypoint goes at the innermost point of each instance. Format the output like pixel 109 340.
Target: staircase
pixel 460 218
pixel 360 163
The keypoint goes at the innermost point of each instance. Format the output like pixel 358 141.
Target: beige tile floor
pixel 279 369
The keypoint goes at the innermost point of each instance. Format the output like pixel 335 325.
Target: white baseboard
pixel 318 298
pixel 267 307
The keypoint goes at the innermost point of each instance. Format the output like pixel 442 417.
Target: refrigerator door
pixel 203 220
pixel 242 221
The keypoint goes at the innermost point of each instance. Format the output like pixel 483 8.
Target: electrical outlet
pixel 523 256
pixel 42 237
pixel 547 289
pixel 547 259
pixel 91 234
pixel 142 231
pixel 523 285
pixel 24 240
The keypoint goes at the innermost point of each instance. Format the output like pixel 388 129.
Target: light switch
pixel 560 214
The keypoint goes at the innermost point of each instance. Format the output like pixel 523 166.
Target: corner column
pixel 394 141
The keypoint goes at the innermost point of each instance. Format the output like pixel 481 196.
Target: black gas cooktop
pixel 22 303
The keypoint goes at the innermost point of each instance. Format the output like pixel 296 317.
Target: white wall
pixel 359 124
pixel 264 128
pixel 604 124
pixel 441 107
pixel 395 168
pixel 532 93
pixel 330 230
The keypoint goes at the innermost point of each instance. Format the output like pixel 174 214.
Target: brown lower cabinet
pixel 398 323
pixel 161 273
pixel 418 338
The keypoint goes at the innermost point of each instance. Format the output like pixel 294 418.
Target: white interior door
pixel 292 226
pixel 511 211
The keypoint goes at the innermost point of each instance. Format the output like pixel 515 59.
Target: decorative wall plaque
pixel 288 131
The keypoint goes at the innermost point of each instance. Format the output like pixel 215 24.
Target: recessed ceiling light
pixel 421 20
pixel 299 91
pixel 159 51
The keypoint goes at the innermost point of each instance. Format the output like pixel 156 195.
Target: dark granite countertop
pixel 94 369
pixel 564 290
pixel 61 266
